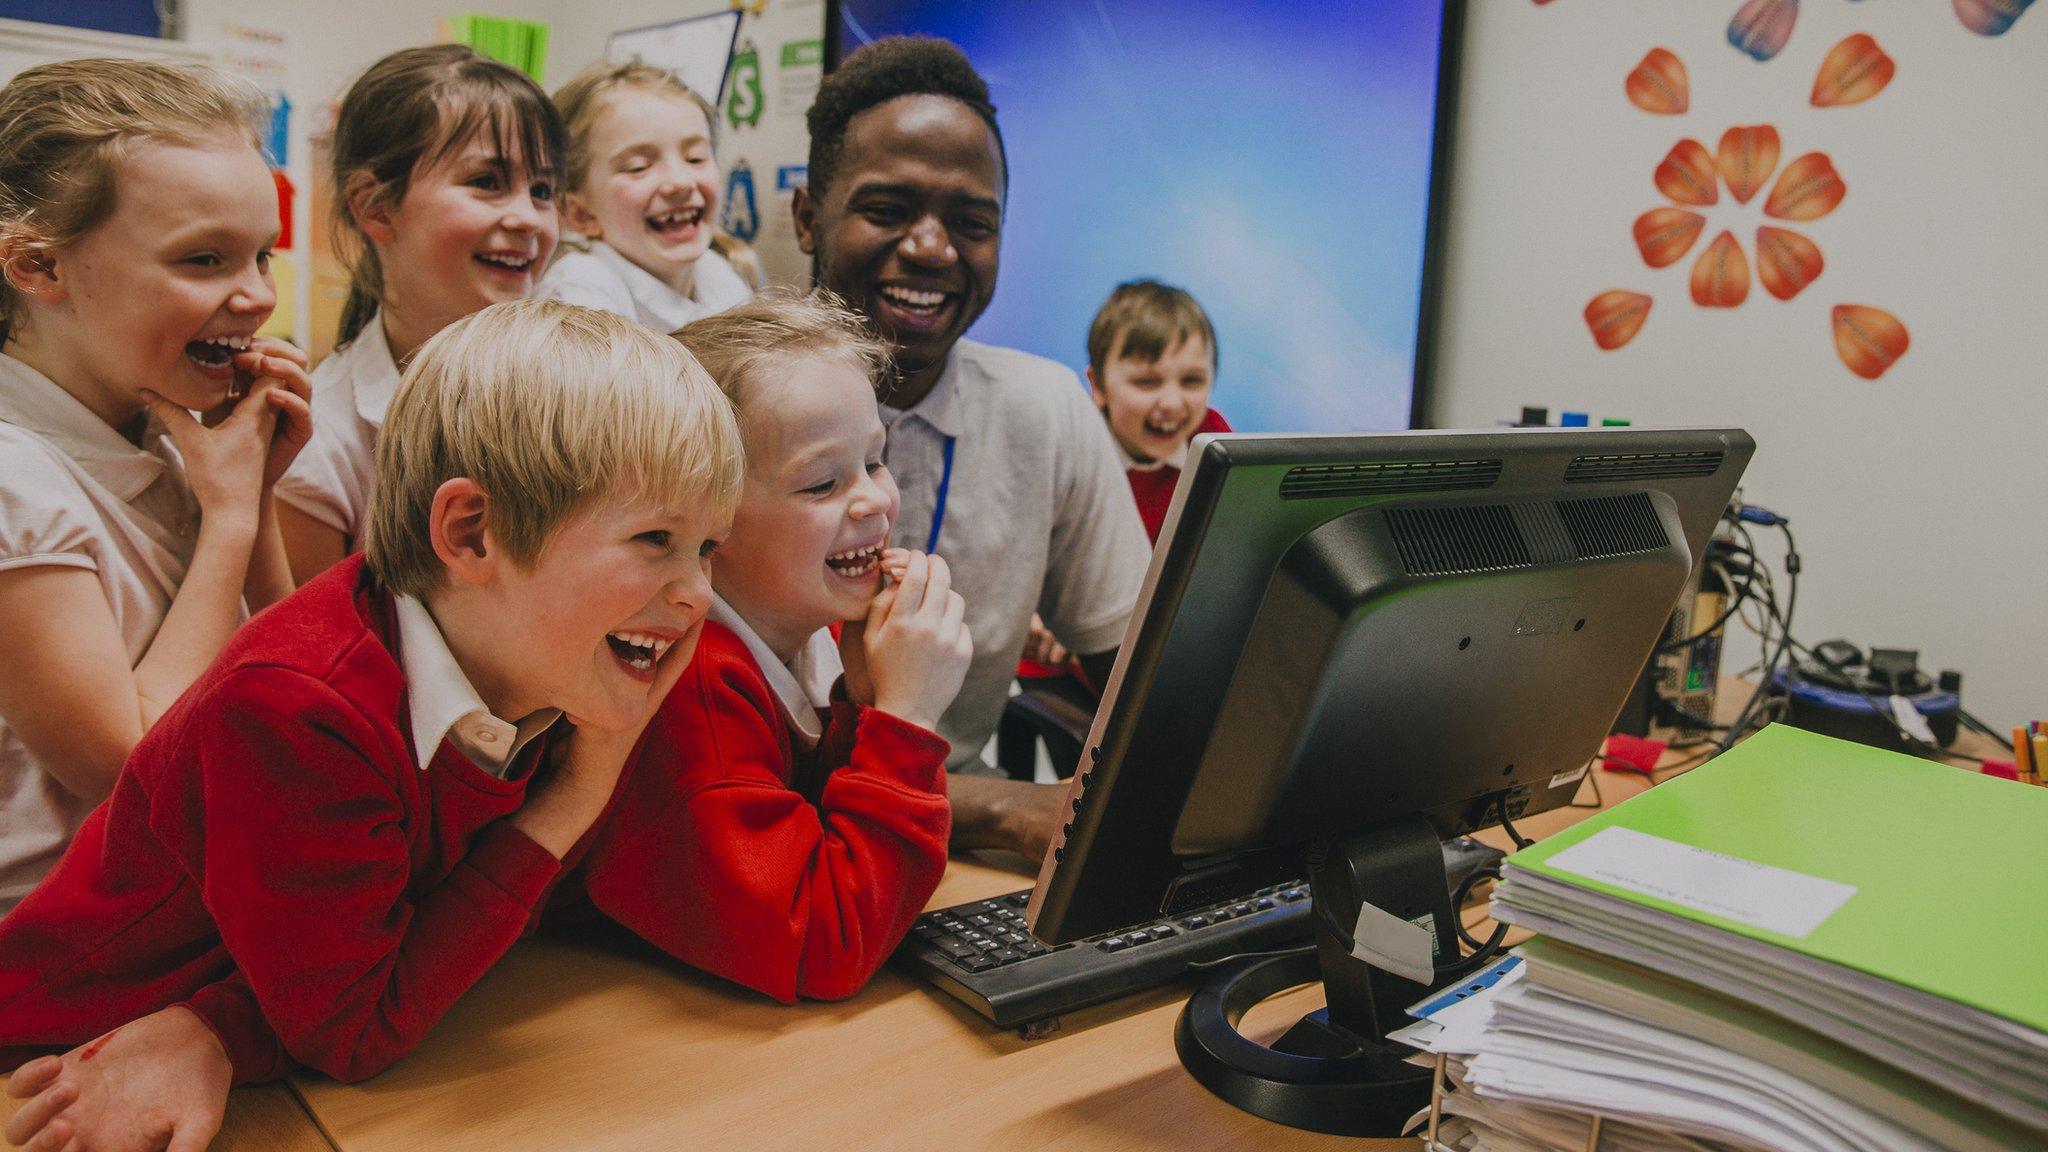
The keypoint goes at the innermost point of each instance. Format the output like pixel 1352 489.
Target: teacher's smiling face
pixel 910 229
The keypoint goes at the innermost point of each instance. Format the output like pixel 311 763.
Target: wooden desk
pixel 600 1042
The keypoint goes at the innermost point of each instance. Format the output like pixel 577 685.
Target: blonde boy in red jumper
pixel 382 781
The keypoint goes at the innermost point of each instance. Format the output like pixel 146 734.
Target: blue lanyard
pixel 939 508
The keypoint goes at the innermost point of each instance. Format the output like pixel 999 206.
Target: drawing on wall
pixel 1760 29
pixel 1743 163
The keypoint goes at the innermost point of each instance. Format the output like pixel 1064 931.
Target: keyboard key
pixel 981 918
pixel 1240 909
pixel 1141 936
pixel 1220 915
pixel 1263 903
pixel 1114 944
pixel 926 932
pixel 1017 899
pixel 1195 922
pixel 1293 894
pixel 1162 931
pixel 1007 955
pixel 975 963
pixel 958 949
pixel 1033 948
pixel 1012 938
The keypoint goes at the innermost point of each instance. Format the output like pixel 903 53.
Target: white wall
pixel 1919 497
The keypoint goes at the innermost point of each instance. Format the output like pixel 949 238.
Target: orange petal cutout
pixel 1665 235
pixel 1687 174
pixel 1658 84
pixel 1747 157
pixel 1786 262
pixel 1855 70
pixel 1720 277
pixel 1809 189
pixel 1615 317
pixel 1869 340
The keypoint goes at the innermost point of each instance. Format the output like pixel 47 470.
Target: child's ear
pixel 578 218
pixel 1095 388
pixel 30 269
pixel 371 208
pixel 458 524
pixel 803 213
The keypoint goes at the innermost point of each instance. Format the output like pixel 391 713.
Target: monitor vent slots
pixel 1641 466
pixel 1613 525
pixel 1464 538
pixel 1397 476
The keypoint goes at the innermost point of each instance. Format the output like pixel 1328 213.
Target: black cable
pixel 1225 961
pixel 1508 825
pixel 1980 727
pixel 1736 598
pixel 1765 678
pixel 1458 898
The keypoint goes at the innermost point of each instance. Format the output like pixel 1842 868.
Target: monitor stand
pixel 1334 1071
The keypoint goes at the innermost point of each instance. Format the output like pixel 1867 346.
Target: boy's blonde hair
pixel 550 407
pixel 582 100
pixel 746 345
pixel 64 128
pixel 1152 319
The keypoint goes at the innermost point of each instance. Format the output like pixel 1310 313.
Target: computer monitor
pixel 1347 649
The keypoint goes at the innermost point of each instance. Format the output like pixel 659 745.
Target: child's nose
pixel 254 294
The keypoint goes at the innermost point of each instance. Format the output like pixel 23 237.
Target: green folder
pixel 1949 869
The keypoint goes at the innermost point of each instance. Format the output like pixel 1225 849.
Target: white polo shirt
pixel 74 493
pixel 601 278
pixel 1038 517
pixel 443 704
pixel 335 472
pixel 802 687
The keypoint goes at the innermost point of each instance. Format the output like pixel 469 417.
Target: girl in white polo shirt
pixel 642 192
pixel 445 168
pixel 136 222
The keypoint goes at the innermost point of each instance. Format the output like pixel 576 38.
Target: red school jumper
pixel 1153 487
pixel 274 858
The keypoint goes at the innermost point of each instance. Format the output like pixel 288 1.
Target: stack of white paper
pixel 1986 1058
pixel 1668 1066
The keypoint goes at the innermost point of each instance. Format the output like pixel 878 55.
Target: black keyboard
pixel 983 955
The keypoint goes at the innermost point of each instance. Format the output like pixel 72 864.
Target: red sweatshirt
pixel 274 858
pixel 1153 487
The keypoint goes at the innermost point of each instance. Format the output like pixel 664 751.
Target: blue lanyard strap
pixel 939 506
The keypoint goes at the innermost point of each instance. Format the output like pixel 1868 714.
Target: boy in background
pixel 1152 359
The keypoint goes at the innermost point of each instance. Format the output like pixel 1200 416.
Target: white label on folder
pixel 1384 940
pixel 1760 895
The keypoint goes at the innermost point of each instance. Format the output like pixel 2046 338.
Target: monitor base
pixel 1335 1071
pixel 1317 1077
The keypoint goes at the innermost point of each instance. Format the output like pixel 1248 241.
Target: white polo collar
pixel 373 371
pixel 803 687
pixel 31 400
pixel 940 407
pixel 445 705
